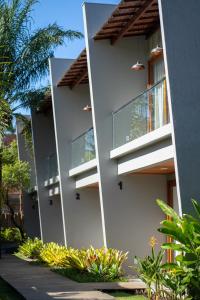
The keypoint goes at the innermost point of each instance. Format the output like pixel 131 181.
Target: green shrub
pixel 31 248
pixel 54 255
pixel 105 264
pixel 150 271
pixel 77 259
pixel 11 234
pixel 185 232
pixel 163 281
pixel 100 264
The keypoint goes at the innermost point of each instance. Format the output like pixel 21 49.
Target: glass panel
pixel 52 166
pixel 145 113
pixel 158 70
pixel 83 148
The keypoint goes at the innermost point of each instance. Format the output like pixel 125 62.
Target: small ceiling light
pixel 157 51
pixel 164 168
pixel 87 108
pixel 138 66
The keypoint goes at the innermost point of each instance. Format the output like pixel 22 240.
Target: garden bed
pixel 83 277
pixel 80 265
pixel 126 295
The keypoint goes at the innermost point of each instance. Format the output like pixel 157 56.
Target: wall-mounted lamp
pixel 120 184
pixel 78 196
pixel 164 168
pixel 138 66
pixel 157 51
pixel 87 108
pixel 50 202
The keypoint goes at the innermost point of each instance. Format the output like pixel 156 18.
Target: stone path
pixel 39 283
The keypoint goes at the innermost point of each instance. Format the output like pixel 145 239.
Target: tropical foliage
pixel 105 263
pixel 150 270
pixel 185 232
pixel 15 173
pixel 54 255
pixel 24 54
pixel 180 279
pixel 31 248
pixel 11 234
pixel 28 49
pixel 15 177
pixel 163 283
pixel 99 264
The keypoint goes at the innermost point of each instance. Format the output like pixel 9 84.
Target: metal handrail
pixel 138 96
pixel 84 133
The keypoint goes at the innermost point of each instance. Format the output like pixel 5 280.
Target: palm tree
pixel 28 50
pixel 24 55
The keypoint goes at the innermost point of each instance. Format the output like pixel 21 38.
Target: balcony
pixel 147 113
pixel 83 149
pixel 51 170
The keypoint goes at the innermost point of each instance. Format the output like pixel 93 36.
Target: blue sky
pixel 68 14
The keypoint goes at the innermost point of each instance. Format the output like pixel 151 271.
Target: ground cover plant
pixel 54 255
pixel 31 248
pixel 127 296
pixel 82 265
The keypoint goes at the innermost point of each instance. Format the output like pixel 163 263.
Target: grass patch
pixel 83 277
pixel 7 292
pixel 127 296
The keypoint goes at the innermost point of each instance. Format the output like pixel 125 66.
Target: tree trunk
pixel 13 218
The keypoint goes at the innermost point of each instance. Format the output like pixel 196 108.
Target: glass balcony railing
pixel 143 114
pixel 52 166
pixel 83 148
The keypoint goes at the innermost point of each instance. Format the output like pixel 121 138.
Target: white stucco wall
pixel 130 215
pixel 82 218
pixel 44 145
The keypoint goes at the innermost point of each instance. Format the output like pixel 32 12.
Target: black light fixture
pixel 138 66
pixel 120 184
pixel 77 196
pixel 157 51
pixel 87 108
pixel 50 202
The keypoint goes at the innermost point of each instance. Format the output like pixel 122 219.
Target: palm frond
pixel 29 99
pixel 26 52
pixel 26 130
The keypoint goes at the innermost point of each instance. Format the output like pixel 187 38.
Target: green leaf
pixel 173 233
pixel 169 266
pixel 168 210
pixel 196 207
pixel 173 246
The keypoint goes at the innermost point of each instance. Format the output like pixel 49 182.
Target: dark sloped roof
pixel 77 73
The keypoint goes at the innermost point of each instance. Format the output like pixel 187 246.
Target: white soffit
pixel 146 160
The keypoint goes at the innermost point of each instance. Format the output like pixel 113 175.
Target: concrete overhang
pixel 143 141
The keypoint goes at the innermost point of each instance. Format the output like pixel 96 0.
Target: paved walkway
pixel 39 283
